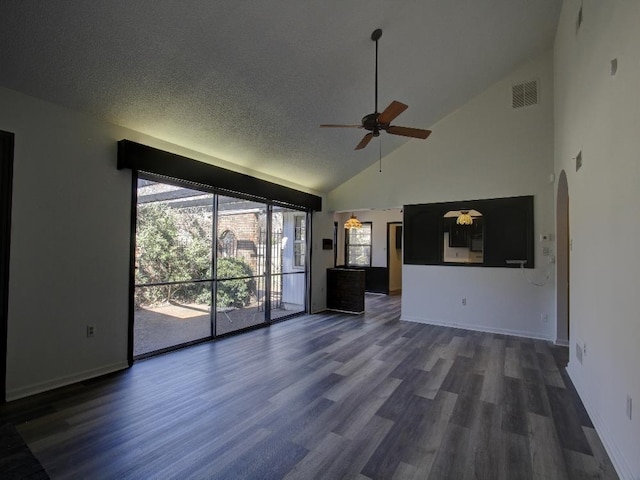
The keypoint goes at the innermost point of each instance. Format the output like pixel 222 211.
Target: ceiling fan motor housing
pixel 370 122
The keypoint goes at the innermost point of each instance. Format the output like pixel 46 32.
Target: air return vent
pixel 524 94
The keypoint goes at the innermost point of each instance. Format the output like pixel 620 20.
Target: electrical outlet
pixel 91 331
pixel 584 349
pixel 546 251
pixel 544 317
pixel 464 302
pixel 629 406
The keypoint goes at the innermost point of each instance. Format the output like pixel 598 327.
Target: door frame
pixel 563 330
pixel 7 141
pixel 390 247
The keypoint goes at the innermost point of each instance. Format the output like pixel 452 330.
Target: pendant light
pixel 464 218
pixel 353 222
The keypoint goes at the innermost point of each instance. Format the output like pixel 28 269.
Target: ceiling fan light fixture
pixel 353 222
pixel 464 218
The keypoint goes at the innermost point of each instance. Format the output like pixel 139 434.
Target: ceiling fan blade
pixel 394 109
pixel 365 141
pixel 332 125
pixel 409 132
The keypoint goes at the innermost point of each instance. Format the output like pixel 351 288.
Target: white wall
pixel 600 115
pixel 379 220
pixel 322 227
pixel 485 149
pixel 70 237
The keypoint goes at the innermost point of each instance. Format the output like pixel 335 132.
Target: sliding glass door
pixel 173 266
pixel 241 259
pixel 288 262
pixel 208 265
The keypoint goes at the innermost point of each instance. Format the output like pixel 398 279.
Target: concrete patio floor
pixel 173 324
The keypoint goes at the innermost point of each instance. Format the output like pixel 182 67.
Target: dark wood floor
pixel 325 396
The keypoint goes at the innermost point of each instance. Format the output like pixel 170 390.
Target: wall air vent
pixel 524 94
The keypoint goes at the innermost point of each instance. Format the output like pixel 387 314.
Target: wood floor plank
pixel 566 421
pixel 547 460
pixel 512 364
pixel 515 457
pixel 350 462
pixel 433 430
pixel 451 460
pixel 436 376
pixel 402 437
pixel 359 417
pixel 486 438
pixel 513 407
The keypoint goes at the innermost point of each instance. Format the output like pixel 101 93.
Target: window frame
pixel 347 244
pixel 300 241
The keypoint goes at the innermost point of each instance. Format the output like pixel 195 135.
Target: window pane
pixel 360 236
pixel 298 253
pixel 288 262
pixel 359 245
pixel 287 294
pixel 359 255
pixel 241 235
pixel 173 244
pixel 173 233
pixel 240 264
pixel 159 324
pixel 239 304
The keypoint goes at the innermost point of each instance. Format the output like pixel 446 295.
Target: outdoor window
pixel 299 243
pixel 358 246
pixel 227 244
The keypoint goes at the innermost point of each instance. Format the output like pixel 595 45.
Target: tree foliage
pixel 174 245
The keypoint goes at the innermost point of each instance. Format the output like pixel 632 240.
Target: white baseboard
pixel 619 463
pixel 477 328
pixel 26 391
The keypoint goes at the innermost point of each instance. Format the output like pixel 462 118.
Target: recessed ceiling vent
pixel 524 94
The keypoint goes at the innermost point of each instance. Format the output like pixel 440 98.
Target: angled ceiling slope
pixel 249 82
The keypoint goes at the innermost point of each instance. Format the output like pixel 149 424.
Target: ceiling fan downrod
pixel 375 36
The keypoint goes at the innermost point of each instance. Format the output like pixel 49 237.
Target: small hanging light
pixel 353 222
pixel 464 218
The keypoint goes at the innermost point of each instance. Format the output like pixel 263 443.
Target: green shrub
pixel 173 245
pixel 236 292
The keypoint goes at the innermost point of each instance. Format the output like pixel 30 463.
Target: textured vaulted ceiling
pixel 250 81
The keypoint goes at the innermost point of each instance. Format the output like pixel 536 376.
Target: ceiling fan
pixel 375 122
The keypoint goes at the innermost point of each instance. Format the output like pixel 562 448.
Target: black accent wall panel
pixel 423 233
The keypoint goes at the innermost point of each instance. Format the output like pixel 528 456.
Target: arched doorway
pixel 563 249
